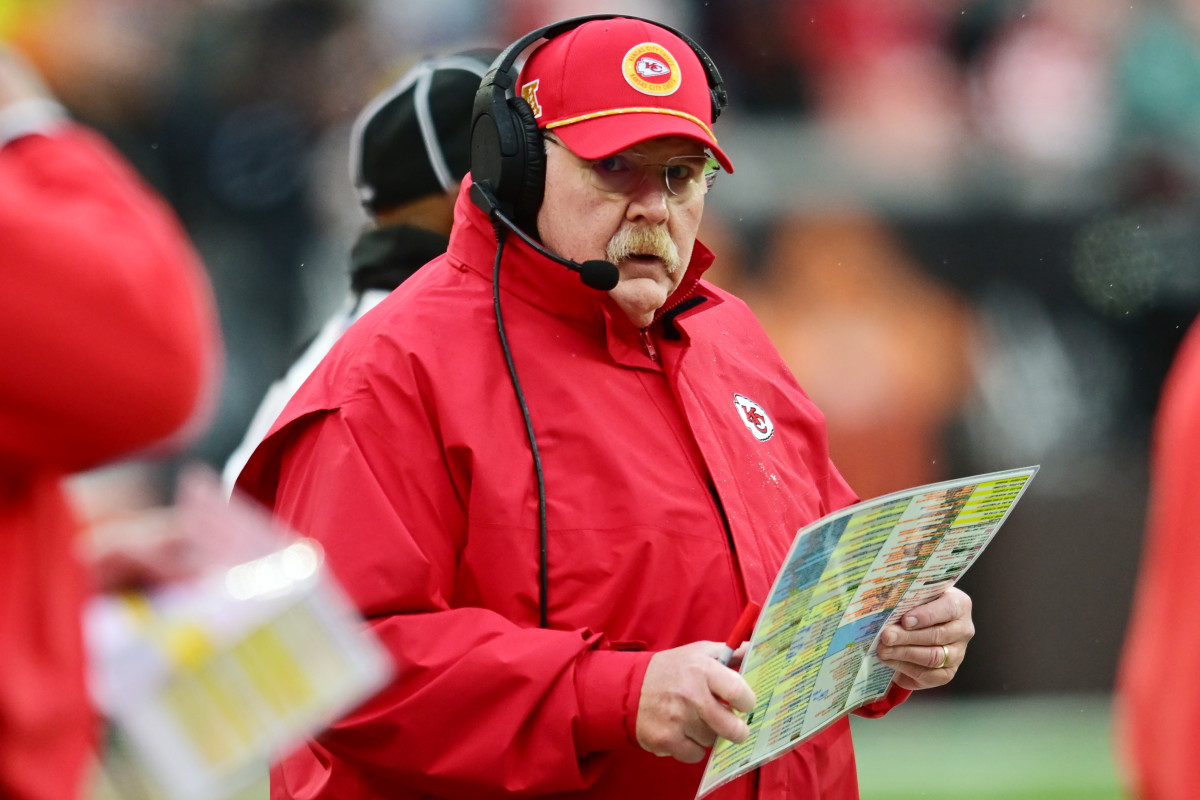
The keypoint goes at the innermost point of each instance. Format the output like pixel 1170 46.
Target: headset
pixel 508 156
pixel 508 179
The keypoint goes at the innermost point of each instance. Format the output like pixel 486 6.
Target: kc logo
pixel 651 69
pixel 754 417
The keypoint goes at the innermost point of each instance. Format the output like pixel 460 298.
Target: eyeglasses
pixel 684 177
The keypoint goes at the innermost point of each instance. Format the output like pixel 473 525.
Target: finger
pixel 736 660
pixel 701 734
pixel 956 631
pixel 926 667
pixel 938 657
pixel 723 722
pixel 916 677
pixel 732 688
pixel 952 604
pixel 677 744
pixel 688 743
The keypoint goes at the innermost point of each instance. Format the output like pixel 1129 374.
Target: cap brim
pixel 600 137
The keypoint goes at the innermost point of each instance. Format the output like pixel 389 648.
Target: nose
pixel 648 200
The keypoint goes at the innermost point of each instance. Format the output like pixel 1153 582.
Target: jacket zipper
pixel 648 345
pixel 733 553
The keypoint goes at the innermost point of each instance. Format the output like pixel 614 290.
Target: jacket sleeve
pixel 111 337
pixel 894 697
pixel 480 706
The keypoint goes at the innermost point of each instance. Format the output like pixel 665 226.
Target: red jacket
pixel 109 339
pixel 1158 698
pixel 406 456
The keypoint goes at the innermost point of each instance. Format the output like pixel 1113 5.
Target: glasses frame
pixel 706 179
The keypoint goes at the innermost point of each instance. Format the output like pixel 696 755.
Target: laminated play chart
pixel 811 658
pixel 206 680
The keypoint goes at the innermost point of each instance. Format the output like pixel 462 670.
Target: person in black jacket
pixel 409 149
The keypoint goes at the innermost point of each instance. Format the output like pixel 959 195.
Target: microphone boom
pixel 594 273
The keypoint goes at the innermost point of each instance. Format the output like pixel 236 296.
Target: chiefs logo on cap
pixel 650 69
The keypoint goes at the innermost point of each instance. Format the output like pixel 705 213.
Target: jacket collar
pixel 537 280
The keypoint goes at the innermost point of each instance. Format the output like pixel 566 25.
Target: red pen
pixel 741 631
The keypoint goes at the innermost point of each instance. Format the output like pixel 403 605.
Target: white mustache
pixel 643 240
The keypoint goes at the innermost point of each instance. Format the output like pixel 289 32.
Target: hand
pixel 139 549
pixel 688 700
pixel 915 647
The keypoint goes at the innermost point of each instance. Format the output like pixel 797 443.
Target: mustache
pixel 643 240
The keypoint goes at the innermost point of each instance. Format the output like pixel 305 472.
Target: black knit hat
pixel 414 138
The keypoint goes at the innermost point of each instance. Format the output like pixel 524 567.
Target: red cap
pixel 609 84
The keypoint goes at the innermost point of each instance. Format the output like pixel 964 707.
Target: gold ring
pixel 945 658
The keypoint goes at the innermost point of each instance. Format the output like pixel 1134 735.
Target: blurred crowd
pixel 969 225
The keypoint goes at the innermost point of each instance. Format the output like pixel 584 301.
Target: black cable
pixel 537 459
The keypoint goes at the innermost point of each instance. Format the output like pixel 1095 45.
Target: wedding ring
pixel 945 658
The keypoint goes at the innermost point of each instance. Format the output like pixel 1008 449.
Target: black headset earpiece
pixel 507 152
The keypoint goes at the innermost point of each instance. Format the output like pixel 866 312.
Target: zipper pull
pixel 649 346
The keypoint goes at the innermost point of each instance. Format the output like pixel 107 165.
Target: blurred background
pixel 970 226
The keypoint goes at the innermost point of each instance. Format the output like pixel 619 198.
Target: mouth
pixel 643 265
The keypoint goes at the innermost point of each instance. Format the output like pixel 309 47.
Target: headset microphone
pixel 597 274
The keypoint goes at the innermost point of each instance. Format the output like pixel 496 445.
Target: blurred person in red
pixel 1158 696
pixel 552 559
pixel 111 350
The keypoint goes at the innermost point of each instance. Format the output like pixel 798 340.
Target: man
pixel 110 346
pixel 1158 702
pixel 667 506
pixel 409 148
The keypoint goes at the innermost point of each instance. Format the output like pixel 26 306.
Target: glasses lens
pixel 618 174
pixel 686 174
pixel 711 167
